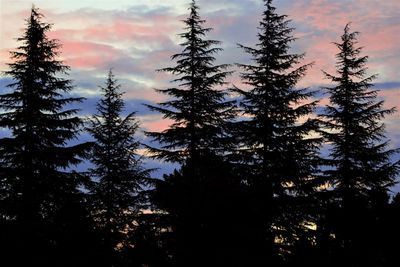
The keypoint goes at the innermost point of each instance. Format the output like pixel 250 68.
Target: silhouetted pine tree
pixel 199 111
pixel 197 139
pixel 37 185
pixel 361 171
pixel 278 156
pixel 118 175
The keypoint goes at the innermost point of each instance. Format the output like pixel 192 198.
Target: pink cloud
pixel 333 15
pixel 88 55
pixel 325 20
pixel 321 14
pixel 382 39
pixel 5 58
pixel 155 123
pixel 158 126
pixel 115 26
pixel 392 99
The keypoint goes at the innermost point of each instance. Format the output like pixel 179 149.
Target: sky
pixel 137 37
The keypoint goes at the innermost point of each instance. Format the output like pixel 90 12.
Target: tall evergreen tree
pixel 277 155
pixel 118 173
pixel 199 111
pixel 39 127
pixel 198 139
pixel 41 206
pixel 360 172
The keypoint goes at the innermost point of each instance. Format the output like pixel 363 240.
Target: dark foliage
pixel 38 190
pixel 251 189
pixel 197 108
pixel 360 171
pixel 197 198
pixel 277 156
pixel 116 192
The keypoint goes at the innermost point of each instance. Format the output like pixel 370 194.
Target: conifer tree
pixel 118 174
pixel 277 154
pixel 37 156
pixel 199 111
pixel 198 139
pixel 360 169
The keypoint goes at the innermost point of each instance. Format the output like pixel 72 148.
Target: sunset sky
pixel 136 37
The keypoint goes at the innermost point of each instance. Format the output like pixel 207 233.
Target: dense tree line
pixel 252 189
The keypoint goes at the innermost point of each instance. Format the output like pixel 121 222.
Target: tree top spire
pixel 268 2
